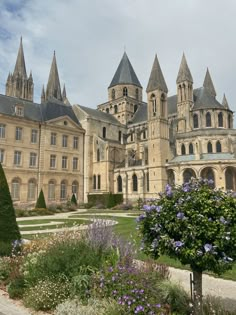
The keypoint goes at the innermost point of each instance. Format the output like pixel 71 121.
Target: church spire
pixel 208 84
pixel 156 80
pixel 184 72
pixel 225 102
pixel 43 97
pixel 64 92
pixel 20 68
pixel 53 86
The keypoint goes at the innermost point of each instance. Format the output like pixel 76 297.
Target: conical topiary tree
pixel 73 199
pixel 9 231
pixel 41 201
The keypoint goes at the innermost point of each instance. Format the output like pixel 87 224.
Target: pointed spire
pixel 156 80
pixel 20 68
pixel 208 84
pixel 125 73
pixel 53 86
pixel 30 77
pixel 43 97
pixel 64 92
pixel 225 102
pixel 184 72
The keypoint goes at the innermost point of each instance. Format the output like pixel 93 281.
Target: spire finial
pixel 156 80
pixel 225 102
pixel 53 86
pixel 208 84
pixel 184 72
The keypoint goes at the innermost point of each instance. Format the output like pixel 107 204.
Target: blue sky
pixel 89 39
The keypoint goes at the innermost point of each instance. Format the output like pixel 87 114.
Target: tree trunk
pixel 197 292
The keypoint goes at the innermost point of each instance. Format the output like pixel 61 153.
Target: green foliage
pixel 47 294
pixel 5 268
pixel 215 306
pixel 41 204
pixel 107 200
pixel 194 223
pixel 9 230
pixel 16 288
pixel 73 199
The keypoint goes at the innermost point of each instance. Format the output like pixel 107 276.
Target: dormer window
pixel 19 110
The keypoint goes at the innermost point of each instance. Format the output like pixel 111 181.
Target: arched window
pixel 220 119
pixel 136 94
pixel 229 121
pixel 75 187
pixel 135 182
pixel 183 151
pixel 195 121
pixel 125 91
pixel 209 147
pixel 154 104
pixel 107 110
pixel 230 178
pixel 104 131
pixel 115 109
pixel 208 119
pixel 51 190
pixel 218 146
pixel 162 105
pixel 132 137
pixel 190 148
pixel 171 177
pixel 63 190
pixel 120 136
pixel 31 189
pixel 98 155
pixel 208 174
pixel 119 183
pixel 188 174
pixel 99 181
pixel 144 134
pixel 94 182
pixel 15 189
pixel 113 94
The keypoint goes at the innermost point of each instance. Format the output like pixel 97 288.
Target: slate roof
pixel 156 80
pixel 208 84
pixel 125 73
pixel 204 157
pixel 140 115
pixel 204 99
pixel 97 114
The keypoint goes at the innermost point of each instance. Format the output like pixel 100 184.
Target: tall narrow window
pixel 135 182
pixel 162 105
pixel 15 189
pixel 135 108
pixel 115 109
pixel 125 91
pixel 147 178
pixel 98 155
pixel 229 122
pixel 51 190
pixel 75 187
pixel 75 163
pixel 17 158
pixel 113 94
pixel 53 138
pixel 209 147
pixel 2 131
pixel 18 133
pixel 64 141
pixel 31 189
pixel 218 146
pixel 154 104
pixel 99 181
pixel 75 142
pixel 63 190
pixel 34 136
pixel 136 94
pixel 119 183
pixel 94 182
pixel 120 136
pixel 1 155
pixel 183 151
pixel 220 119
pixel 104 131
pixel 33 159
pixel 52 161
pixel 107 110
pixel 64 162
pixel 190 148
pixel 208 120
pixel 195 121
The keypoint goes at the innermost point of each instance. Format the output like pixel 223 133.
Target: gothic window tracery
pixel 208 119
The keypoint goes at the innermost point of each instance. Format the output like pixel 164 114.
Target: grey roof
pixel 53 108
pixel 53 86
pixel 125 73
pixel 184 72
pixel 20 63
pixel 204 157
pixel 203 99
pixel 97 114
pixel 141 114
pixel 31 110
pixel 156 80
pixel 208 84
pixel 172 104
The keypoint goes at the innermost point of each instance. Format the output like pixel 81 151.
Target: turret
pixel 208 84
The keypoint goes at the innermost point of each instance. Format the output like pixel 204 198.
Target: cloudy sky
pixel 89 37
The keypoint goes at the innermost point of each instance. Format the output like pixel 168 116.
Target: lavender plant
pixel 194 223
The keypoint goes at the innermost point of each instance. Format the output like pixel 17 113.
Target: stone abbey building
pixel 124 146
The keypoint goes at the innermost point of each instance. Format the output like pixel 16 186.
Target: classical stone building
pixel 124 146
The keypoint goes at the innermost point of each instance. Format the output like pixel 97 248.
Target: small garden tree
pixel 74 200
pixel 9 230
pixel 41 201
pixel 195 224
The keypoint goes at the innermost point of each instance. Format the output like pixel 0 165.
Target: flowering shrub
pixel 194 223
pixel 133 288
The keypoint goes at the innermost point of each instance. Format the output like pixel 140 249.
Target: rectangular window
pixel 17 158
pixel 64 141
pixel 64 162
pixel 76 143
pixel 19 111
pixel 1 155
pixel 53 138
pixel 53 161
pixel 75 163
pixel 2 130
pixel 34 136
pixel 33 159
pixel 18 133
pixel 99 181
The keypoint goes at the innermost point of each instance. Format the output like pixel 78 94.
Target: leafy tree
pixel 9 231
pixel 41 204
pixel 195 224
pixel 73 199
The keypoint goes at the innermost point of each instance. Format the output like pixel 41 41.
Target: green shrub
pixel 41 201
pixel 5 268
pixel 215 306
pixel 16 288
pixel 107 200
pixel 73 199
pixel 47 294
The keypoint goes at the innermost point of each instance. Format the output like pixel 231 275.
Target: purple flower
pixel 178 244
pixel 140 218
pixel 180 215
pixel 168 190
pixel 208 247
pixel 186 187
pixel 146 208
pixel 222 220
pixel 158 209
pixel 210 182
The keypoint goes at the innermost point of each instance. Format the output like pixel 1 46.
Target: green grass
pixel 66 223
